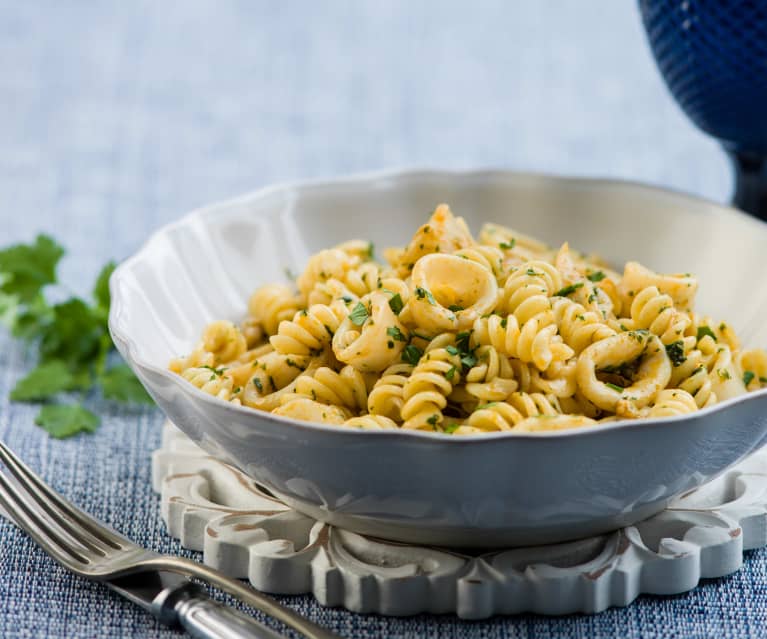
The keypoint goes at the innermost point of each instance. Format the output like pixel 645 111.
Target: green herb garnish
pixel 508 245
pixel 450 374
pixel 451 427
pixel 75 350
pixel 359 314
pixel 411 354
pixel 257 383
pixel 705 330
pixel 422 292
pixel 675 352
pixel 568 290
pixel 433 420
pixel 65 420
pixel 615 387
pixel 462 340
pixel 396 333
pixel 455 308
pixel 395 304
pixel 596 276
pixel 748 377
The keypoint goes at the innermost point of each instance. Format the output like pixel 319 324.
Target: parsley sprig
pixel 75 350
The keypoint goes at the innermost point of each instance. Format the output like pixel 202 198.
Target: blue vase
pixel 713 57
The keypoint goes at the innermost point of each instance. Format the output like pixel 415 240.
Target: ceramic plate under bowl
pixel 427 488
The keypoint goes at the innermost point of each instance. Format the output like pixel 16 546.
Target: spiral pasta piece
pixel 544 423
pixel 655 312
pixel 490 257
pixel 578 327
pixel 211 382
pixel 371 422
pixel 310 331
pixel 272 304
pixel 426 390
pixel 348 388
pixel 386 399
pixel 526 296
pixel 491 378
pixel 323 266
pixel 691 375
pixel 680 287
pixel 310 411
pixel 355 283
pixel 753 368
pixel 671 402
pixel 506 415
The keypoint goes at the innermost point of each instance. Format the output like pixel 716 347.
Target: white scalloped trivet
pixel 247 533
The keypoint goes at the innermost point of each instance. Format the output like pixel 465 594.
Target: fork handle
pixel 204 618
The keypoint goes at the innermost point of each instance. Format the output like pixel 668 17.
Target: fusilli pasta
pixel 463 336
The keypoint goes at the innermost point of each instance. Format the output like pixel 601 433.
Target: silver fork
pixel 158 583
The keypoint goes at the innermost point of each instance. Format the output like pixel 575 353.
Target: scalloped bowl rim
pixel 116 309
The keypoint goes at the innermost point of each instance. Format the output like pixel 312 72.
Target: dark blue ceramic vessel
pixel 713 57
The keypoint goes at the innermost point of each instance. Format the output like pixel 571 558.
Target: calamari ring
pixel 653 374
pixel 449 292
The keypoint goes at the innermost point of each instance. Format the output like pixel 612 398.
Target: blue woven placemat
pixel 116 117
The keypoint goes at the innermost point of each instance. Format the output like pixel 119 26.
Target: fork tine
pixel 24 517
pixel 88 532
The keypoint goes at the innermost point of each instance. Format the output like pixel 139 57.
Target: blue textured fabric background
pixel 116 117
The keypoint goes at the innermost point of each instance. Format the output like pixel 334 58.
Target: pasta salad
pixel 467 336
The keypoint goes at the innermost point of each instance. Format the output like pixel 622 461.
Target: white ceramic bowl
pixel 497 489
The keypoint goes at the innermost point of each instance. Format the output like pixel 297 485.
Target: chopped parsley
pixel 462 339
pixel 359 314
pixel 675 352
pixel 508 245
pixel 748 377
pixel 258 385
pixel 396 333
pixel 347 299
pixel 290 362
pixel 451 427
pixel 596 276
pixel 504 322
pixel 532 272
pixel 763 380
pixel 450 374
pixel 422 292
pixel 615 387
pixel 452 350
pixel 724 373
pixel 705 330
pixel 395 304
pixel 411 354
pixel 371 250
pixel 433 420
pixel 568 290
pixel 455 308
